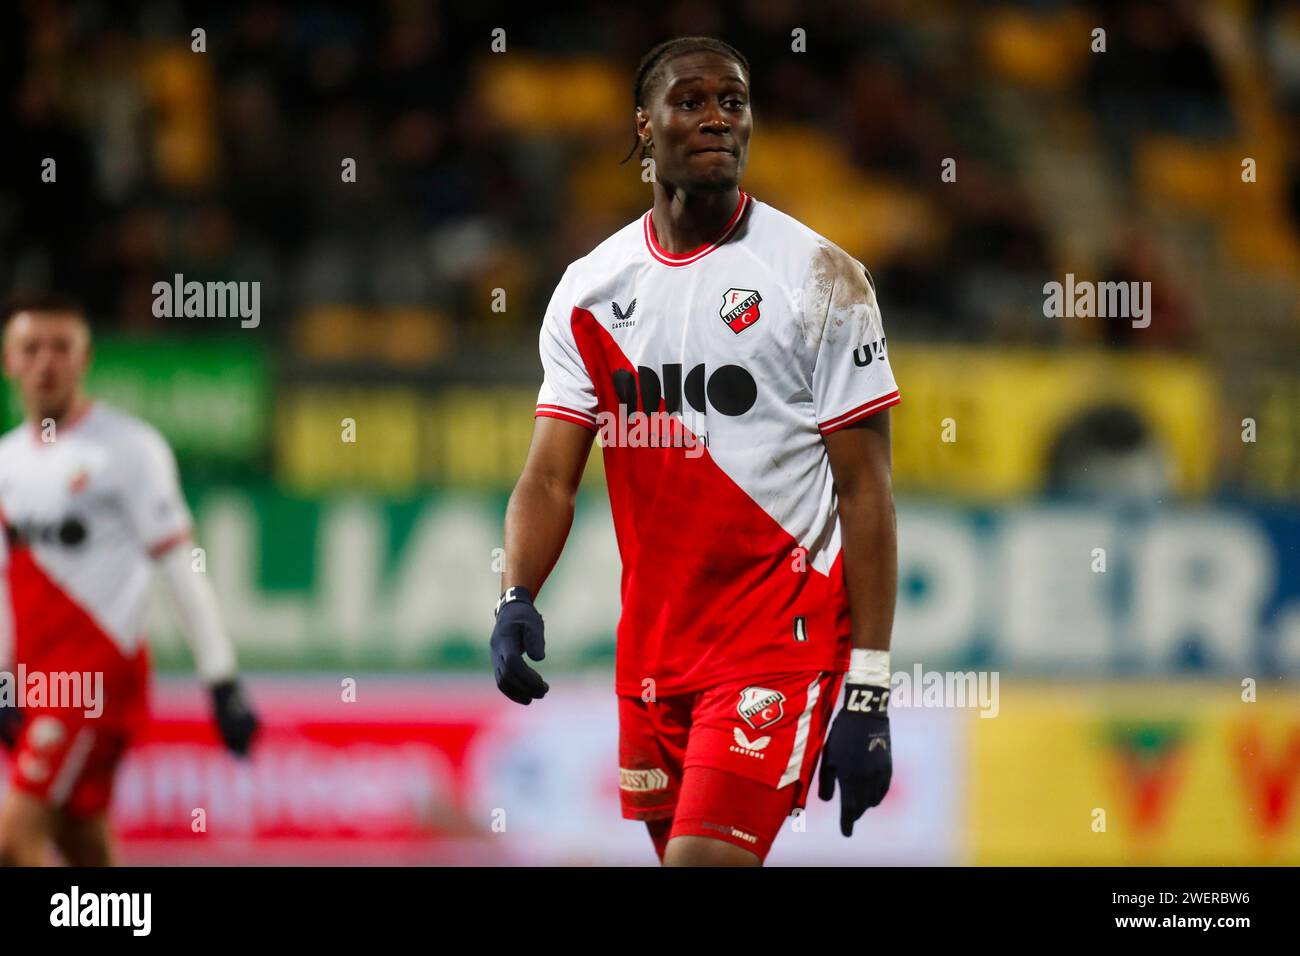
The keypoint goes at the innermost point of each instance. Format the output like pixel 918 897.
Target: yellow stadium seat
pixel 1041 52
pixel 330 333
pixel 1186 175
pixel 543 96
pixel 867 216
pixel 1267 244
pixel 412 337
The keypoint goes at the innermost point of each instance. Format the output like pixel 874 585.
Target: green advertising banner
pixel 380 583
pixel 211 398
pixel 352 582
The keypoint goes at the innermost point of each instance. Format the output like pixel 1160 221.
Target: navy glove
pixel 518 631
pixel 235 719
pixel 857 754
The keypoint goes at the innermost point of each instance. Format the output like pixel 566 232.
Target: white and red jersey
pixel 757 344
pixel 86 506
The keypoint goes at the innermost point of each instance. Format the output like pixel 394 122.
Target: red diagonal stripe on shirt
pixel 709 593
pixel 53 633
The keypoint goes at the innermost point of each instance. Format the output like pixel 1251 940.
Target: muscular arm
pixel 857 752
pixel 540 512
pixel 860 464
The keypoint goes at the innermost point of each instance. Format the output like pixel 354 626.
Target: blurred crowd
pixel 479 170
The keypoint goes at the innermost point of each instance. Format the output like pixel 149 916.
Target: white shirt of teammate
pixel 98 502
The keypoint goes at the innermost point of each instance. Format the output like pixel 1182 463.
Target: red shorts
pixel 67 759
pixel 68 764
pixel 767 732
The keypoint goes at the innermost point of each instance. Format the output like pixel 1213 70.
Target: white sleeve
pixel 158 512
pixel 152 495
pixel 195 604
pixel 567 392
pixel 851 376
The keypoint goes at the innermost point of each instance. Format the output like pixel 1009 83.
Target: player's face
pixel 46 354
pixel 699 122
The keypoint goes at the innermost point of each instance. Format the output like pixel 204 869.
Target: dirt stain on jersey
pixel 842 299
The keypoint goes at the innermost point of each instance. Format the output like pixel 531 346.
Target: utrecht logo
pixel 740 308
pixel 761 706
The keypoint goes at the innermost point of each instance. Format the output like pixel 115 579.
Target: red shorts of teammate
pixel 67 759
pixel 730 762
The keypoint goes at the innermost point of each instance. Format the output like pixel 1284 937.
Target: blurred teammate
pixel 90 506
pixel 755 522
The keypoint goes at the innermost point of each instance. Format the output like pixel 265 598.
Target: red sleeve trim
pixel 567 415
pixel 166 544
pixel 859 413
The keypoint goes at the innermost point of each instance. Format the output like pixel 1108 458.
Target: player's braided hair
pixel 650 70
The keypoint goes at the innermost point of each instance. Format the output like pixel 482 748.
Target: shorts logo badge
pixel 752 747
pixel 760 706
pixel 740 308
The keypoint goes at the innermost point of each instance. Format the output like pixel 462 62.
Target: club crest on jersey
pixel 740 308
pixel 78 483
pixel 761 706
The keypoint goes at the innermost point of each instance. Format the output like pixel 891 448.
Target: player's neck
pixel 683 222
pixel 72 412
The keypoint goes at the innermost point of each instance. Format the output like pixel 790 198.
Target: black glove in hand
pixel 235 719
pixel 518 631
pixel 858 754
pixel 11 722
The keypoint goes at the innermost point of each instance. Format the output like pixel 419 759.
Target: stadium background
pixel 1120 690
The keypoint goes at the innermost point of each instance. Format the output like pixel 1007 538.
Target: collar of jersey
pixel 686 258
pixel 64 426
